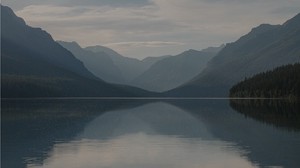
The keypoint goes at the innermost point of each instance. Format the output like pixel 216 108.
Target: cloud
pixel 69 3
pixel 235 15
pixel 50 13
pixel 286 10
pixel 146 44
pixel 117 3
pixel 100 25
pixel 129 25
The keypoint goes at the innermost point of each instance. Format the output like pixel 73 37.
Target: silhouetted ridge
pixel 36 41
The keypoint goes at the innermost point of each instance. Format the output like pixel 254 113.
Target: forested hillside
pixel 280 82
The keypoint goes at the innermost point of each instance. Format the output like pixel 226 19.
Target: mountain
pixel 129 67
pixel 107 50
pixel 34 65
pixel 264 48
pixel 16 37
pixel 213 49
pixel 173 71
pixel 100 63
pixel 283 81
pixel 149 61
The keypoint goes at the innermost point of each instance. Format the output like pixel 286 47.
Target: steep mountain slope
pixel 100 64
pixel 34 65
pixel 174 71
pixel 264 48
pixel 129 67
pixel 17 36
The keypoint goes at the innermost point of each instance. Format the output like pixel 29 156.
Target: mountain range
pixel 264 48
pixel 129 67
pixel 174 71
pixel 34 65
pixel 156 74
pixel 109 65
pixel 99 63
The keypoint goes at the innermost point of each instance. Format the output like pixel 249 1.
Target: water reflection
pixel 152 135
pixel 154 118
pixel 280 113
pixel 268 146
pixel 30 128
pixel 143 150
pixel 119 133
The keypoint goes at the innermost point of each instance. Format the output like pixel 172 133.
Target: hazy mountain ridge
pixel 264 48
pixel 100 64
pixel 155 73
pixel 129 67
pixel 149 61
pixel 173 71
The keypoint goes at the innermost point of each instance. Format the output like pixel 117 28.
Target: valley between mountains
pixel 33 64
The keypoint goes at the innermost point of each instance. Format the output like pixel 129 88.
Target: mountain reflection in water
pixel 140 133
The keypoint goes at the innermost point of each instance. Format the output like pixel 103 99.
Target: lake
pixel 99 133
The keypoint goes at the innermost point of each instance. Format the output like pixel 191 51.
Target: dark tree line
pixel 282 82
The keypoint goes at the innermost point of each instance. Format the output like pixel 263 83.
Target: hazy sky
pixel 139 28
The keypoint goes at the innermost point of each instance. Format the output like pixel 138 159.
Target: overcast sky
pixel 140 28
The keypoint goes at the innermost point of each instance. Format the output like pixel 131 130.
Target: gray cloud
pixel 19 4
pixel 286 10
pixel 153 44
pixel 108 2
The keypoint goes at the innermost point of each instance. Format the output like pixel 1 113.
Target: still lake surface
pixel 95 133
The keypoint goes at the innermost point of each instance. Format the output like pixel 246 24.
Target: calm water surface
pixel 146 134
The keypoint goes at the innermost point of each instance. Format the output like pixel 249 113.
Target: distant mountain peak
pixel 263 28
pixel 99 48
pixel 35 42
pixel 214 49
pixel 8 16
pixel 190 51
pixel 72 43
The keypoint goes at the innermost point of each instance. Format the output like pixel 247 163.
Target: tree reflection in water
pixel 280 113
